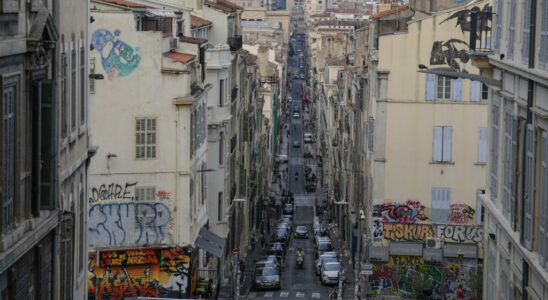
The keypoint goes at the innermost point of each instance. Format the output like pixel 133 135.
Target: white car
pixel 328 257
pixel 296 115
pixel 330 272
pixel 308 138
pixel 282 158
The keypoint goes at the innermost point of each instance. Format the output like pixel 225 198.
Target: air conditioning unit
pixel 174 43
pixel 433 243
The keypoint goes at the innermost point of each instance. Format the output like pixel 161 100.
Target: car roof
pixel 302 226
pixel 332 263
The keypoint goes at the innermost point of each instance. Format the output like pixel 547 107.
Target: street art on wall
pixel 463 16
pixel 377 229
pixel 117 57
pixel 403 275
pixel 401 213
pixel 462 214
pixel 130 223
pixel 112 191
pixel 459 233
pixel 146 272
pixel 448 52
pixel 419 232
pixel 407 232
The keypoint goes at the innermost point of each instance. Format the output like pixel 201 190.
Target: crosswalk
pixel 285 294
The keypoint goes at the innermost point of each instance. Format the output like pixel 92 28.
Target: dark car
pixel 296 144
pixel 301 232
pixel 277 249
pixel 288 209
pixel 266 278
pixel 282 236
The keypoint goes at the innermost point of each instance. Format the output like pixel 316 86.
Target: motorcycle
pixel 297 177
pixel 300 261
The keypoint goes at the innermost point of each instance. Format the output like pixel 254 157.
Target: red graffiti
pixel 461 214
pixel 163 195
pixel 398 213
pixel 413 204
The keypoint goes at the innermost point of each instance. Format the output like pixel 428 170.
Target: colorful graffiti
pixel 401 213
pixel 462 214
pixel 118 58
pixel 377 229
pixel 148 272
pixel 408 232
pixel 459 233
pixel 407 275
pixel 129 223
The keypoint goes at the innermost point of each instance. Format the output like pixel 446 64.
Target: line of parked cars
pixel 327 263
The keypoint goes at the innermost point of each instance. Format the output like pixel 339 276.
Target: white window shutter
pixel 447 143
pixel 543 224
pixel 494 150
pixel 513 171
pixel 475 91
pixel 482 144
pixel 507 193
pixel 529 186
pixel 430 87
pixel 438 136
pixel 457 89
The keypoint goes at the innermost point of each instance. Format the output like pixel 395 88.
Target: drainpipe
pixel 529 120
pixel 53 192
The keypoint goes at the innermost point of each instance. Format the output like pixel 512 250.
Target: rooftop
pixel 180 57
pixel 336 61
pixel 191 40
pixel 392 11
pixel 196 22
pixel 126 3
pixel 223 5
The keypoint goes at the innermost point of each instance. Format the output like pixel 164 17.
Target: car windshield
pixel 302 229
pixel 332 267
pixel 267 272
pixel 325 247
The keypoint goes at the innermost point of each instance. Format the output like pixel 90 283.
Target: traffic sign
pixel 235 251
pixel 367 266
pixel 366 272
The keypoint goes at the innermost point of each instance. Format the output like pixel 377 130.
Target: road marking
pixel 300 295
pixel 252 295
pixel 284 294
pixel 316 295
pixel 269 294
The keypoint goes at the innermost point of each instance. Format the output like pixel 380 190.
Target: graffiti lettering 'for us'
pixel 410 232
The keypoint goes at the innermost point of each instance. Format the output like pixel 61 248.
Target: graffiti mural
pixel 377 229
pixel 462 214
pixel 459 233
pixel 463 16
pixel 129 223
pixel 147 272
pixel 408 232
pixel 112 191
pixel 403 275
pixel 401 213
pixel 448 52
pixel 118 58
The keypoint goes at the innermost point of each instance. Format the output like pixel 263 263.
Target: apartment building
pixel 516 198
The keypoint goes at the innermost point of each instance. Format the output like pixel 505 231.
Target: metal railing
pixel 480 31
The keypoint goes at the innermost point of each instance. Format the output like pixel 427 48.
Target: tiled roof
pixel 385 13
pixel 250 59
pixel 126 3
pixel 346 11
pixel 180 57
pixel 224 5
pixel 335 61
pixel 196 22
pixel 243 52
pixel 192 40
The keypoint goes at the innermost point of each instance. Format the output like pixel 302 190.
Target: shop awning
pixel 210 242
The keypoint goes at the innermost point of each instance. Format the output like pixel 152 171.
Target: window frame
pixel 145 142
pixel 8 205
pixel 64 101
pixel 83 90
pixel 73 101
pixel 447 89
pixel 442 146
pixel 220 202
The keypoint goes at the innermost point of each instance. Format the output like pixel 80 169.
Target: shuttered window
pixel 430 87
pixel 492 271
pixel 82 86
pixel 66 256
pixel 457 89
pixel 145 193
pixel 441 203
pixel 475 91
pixel 529 196
pixel 498 32
pixel 507 191
pixel 482 145
pixel 370 133
pixel 504 283
pixel 511 28
pixel 443 88
pixel 9 97
pixel 526 31
pixel 513 172
pixel 543 53
pixel 494 149
pixel 543 222
pixel 145 138
pixel 73 102
pixel 64 104
pixel 443 136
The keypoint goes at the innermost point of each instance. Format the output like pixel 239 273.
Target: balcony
pixel 235 42
pixel 480 32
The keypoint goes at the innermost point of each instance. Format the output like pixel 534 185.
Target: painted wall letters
pixel 459 233
pixel 408 232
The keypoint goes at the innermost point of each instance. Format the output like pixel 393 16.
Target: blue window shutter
pixel 494 150
pixel 430 86
pixel 457 89
pixel 475 91
pixel 482 144
pixel 513 171
pixel 543 223
pixel 447 141
pixel 529 197
pixel 438 136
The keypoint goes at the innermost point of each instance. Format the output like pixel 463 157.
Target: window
pixel 475 92
pixel 145 193
pixel 492 270
pixel 498 33
pixel 482 145
pixel 484 92
pixel 370 133
pixel 443 136
pixel 543 222
pixel 543 53
pixel 203 184
pixel 509 166
pixel 73 91
pixel 443 88
pixel 66 250
pixel 64 121
pixel 526 31
pixel 511 28
pixel 504 280
pixel 221 147
pixel 221 92
pixel 82 86
pixel 220 207
pixel 441 205
pixel 82 226
pixel 145 138
pixel 8 153
pixel 180 27
pixel 191 211
pixel 529 196
pixel 494 149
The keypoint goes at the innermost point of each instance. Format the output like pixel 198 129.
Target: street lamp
pixel 236 251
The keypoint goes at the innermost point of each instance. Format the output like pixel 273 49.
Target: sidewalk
pixel 347 265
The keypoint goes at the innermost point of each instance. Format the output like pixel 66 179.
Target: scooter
pixel 300 260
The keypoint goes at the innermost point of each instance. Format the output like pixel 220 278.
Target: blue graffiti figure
pixel 118 58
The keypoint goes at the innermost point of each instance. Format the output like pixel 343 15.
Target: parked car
pixel 296 144
pixel 282 236
pixel 296 115
pixel 301 232
pixel 271 258
pixel 323 246
pixel 324 258
pixel 318 238
pixel 282 158
pixel 302 75
pixel 277 249
pixel 308 138
pixel 288 209
pixel 330 272
pixel 267 264
pixel 266 278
